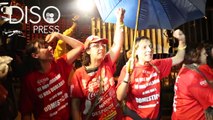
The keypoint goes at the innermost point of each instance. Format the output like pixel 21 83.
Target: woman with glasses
pixel 92 85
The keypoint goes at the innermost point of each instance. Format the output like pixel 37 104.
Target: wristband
pixel 121 25
pixel 182 48
pixel 126 79
pixel 126 82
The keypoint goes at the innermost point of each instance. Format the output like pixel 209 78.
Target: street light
pixel 85 6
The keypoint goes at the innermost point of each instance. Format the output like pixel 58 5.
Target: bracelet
pixel 121 25
pixel 126 81
pixel 182 48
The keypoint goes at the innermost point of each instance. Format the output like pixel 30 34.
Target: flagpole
pixel 134 38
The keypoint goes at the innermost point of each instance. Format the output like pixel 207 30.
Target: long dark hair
pixel 193 53
pixel 30 63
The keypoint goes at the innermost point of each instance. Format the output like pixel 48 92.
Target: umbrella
pixel 150 14
pixel 163 14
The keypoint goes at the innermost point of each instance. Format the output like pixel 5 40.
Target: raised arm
pixel 75 44
pixel 179 57
pixel 61 48
pixel 118 36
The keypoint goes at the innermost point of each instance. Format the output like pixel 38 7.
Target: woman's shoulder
pixel 80 70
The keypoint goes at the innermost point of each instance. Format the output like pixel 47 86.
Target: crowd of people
pixel 54 89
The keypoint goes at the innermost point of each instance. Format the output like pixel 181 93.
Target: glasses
pixel 98 45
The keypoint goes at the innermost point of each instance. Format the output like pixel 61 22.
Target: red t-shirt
pixel 47 95
pixel 86 87
pixel 192 94
pixel 144 89
pixel 208 72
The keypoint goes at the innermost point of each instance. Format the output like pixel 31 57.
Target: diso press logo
pixel 50 15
